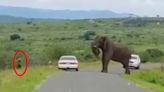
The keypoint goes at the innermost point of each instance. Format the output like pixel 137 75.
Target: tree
pixel 87 35
pixel 15 37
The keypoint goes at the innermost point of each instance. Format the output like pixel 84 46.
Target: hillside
pixel 48 40
pixel 60 14
pixel 11 19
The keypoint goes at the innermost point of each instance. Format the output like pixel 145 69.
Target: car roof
pixel 134 55
pixel 68 56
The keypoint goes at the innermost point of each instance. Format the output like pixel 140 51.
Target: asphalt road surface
pixel 89 81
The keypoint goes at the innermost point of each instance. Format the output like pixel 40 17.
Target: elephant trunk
pixel 96 51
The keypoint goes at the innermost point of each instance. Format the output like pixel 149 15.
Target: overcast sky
pixel 139 7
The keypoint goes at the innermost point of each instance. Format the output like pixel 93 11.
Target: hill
pixel 60 14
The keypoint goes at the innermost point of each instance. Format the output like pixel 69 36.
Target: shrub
pixel 37 28
pixel 81 27
pixel 95 25
pixel 15 37
pixel 119 40
pixel 151 55
pixel 152 76
pixel 155 53
pixel 5 59
pixel 19 29
pixel 66 38
pixel 134 22
pixel 129 35
pixel 88 35
pixel 88 56
pixel 54 53
pixel 83 55
pixel 113 37
pixel 29 22
pixel 22 39
pixel 2 64
pixel 63 38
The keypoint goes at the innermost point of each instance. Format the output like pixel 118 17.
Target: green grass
pixel 9 82
pixel 47 40
pixel 50 35
pixel 150 79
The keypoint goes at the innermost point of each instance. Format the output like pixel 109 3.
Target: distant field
pixel 47 40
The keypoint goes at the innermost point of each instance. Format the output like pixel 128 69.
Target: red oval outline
pixel 14 59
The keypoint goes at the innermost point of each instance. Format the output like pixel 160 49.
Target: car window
pixel 67 58
pixel 133 57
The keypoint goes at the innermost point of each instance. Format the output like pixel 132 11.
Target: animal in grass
pixel 111 51
pixel 18 66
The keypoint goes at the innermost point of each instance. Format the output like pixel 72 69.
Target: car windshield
pixel 67 58
pixel 133 57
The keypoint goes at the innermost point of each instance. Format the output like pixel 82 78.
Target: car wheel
pixel 77 69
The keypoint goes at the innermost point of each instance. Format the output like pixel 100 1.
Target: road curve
pixel 89 81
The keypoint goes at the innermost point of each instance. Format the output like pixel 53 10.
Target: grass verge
pixel 150 79
pixel 9 82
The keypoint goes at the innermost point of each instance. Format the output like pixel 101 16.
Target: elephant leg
pixel 127 71
pixel 105 66
pixel 123 65
pixel 105 61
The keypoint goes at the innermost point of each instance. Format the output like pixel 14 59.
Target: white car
pixel 135 61
pixel 68 62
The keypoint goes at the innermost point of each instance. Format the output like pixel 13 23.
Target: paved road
pixel 89 81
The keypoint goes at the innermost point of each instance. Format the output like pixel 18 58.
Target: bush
pixel 88 56
pixel 29 22
pixel 84 55
pixel 88 35
pixel 15 37
pixel 2 62
pixel 113 37
pixel 135 22
pixel 5 59
pixel 19 29
pixel 54 53
pixel 155 53
pixel 129 35
pixel 151 55
pixel 66 38
pixel 152 76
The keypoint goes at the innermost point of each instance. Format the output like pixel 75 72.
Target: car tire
pixel 77 69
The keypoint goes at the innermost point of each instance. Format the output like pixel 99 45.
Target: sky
pixel 139 7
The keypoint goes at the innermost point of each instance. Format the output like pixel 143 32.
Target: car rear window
pixel 68 58
pixel 134 57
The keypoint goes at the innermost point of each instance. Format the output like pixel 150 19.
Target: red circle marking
pixel 14 59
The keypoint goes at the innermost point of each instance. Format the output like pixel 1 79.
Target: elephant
pixel 111 51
